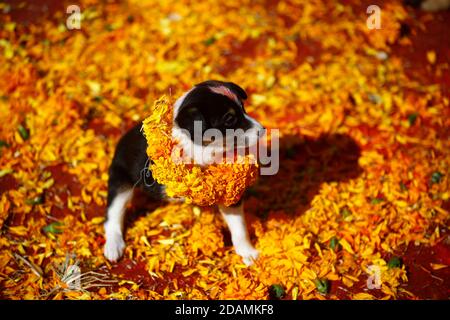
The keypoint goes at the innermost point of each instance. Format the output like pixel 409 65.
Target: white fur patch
pixel 115 245
pixel 178 103
pixel 234 217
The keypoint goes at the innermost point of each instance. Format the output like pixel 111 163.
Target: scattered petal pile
pixel 364 157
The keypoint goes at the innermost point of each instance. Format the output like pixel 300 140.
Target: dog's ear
pixel 236 90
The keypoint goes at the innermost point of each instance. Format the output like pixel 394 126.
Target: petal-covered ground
pixel 364 119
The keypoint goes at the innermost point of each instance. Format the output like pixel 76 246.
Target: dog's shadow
pixel 304 165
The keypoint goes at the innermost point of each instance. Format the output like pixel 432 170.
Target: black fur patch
pixel 212 109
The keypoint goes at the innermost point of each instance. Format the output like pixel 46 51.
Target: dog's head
pixel 211 115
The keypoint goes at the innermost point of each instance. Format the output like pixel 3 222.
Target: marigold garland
pixel 201 185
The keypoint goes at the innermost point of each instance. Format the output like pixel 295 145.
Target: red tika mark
pixel 226 92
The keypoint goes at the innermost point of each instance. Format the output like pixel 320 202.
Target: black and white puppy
pixel 216 105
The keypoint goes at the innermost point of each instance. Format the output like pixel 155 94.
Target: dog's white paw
pixel 248 253
pixel 114 247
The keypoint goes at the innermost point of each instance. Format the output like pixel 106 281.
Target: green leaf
pixel 376 200
pixel 322 285
pixel 436 177
pixel 334 242
pixel 276 291
pixel 97 98
pixel 403 187
pixel 23 132
pixel 251 192
pixel 345 212
pixel 54 227
pixel 290 153
pixel 394 262
pixel 4 144
pixel 110 27
pixel 36 200
pixel 412 118
pixel 209 41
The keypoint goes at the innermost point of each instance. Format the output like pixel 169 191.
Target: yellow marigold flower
pixel 202 185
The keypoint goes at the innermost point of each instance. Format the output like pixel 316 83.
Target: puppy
pixel 212 104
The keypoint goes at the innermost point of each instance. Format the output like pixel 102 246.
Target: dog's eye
pixel 229 119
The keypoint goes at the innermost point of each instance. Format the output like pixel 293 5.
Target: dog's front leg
pixel 114 224
pixel 234 217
